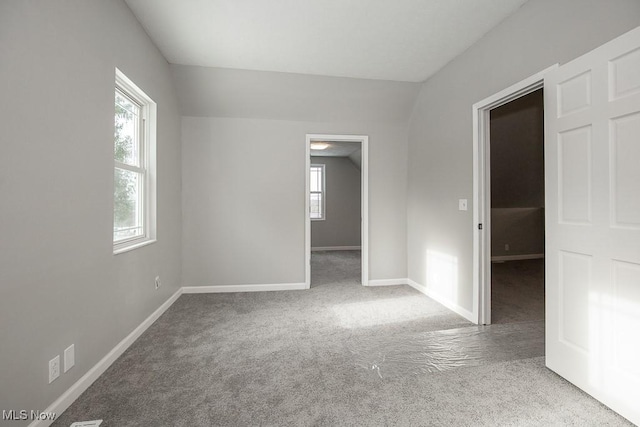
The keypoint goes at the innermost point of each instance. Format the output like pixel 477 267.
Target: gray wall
pixel 59 280
pixel 517 176
pixel 521 228
pixel 221 92
pixel 341 226
pixel 244 199
pixel 539 34
pixel 517 153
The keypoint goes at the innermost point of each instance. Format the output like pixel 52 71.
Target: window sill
pixel 132 245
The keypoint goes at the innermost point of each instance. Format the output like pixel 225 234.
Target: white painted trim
pixel 307 214
pixel 69 396
pixel 482 190
pixel 364 208
pixel 336 248
pixel 388 282
pixel 516 257
pixel 243 288
pixel 450 305
pixel 133 246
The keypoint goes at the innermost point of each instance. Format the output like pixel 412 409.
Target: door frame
pixel 364 201
pixel 482 189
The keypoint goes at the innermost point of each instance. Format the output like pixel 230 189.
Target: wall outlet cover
pixel 54 368
pixel 93 423
pixel 69 357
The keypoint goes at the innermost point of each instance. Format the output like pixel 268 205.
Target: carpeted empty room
pixel 319 213
pixel 337 354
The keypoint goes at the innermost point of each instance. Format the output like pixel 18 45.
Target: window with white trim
pixel 317 192
pixel 134 166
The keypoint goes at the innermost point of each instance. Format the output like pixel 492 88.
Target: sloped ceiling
pixel 400 40
pixel 351 150
pixel 336 149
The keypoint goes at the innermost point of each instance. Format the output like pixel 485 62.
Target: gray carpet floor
pixel 337 354
pixel 517 291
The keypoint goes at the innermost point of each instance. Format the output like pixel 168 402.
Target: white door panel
pixel 592 172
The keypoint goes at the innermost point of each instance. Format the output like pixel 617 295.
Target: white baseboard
pixel 449 304
pixel 516 257
pixel 243 288
pixel 387 282
pixel 336 248
pixel 69 396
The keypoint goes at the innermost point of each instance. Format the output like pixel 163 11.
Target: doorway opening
pixel 509 234
pixel 336 221
pixel 517 209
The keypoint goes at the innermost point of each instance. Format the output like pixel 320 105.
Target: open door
pixel 592 157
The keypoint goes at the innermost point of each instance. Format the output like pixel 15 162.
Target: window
pixel 134 166
pixel 317 192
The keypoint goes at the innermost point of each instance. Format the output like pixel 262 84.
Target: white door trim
pixel 364 207
pixel 482 189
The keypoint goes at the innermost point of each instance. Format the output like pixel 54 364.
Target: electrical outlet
pixel 158 283
pixel 506 247
pixel 54 368
pixel 69 357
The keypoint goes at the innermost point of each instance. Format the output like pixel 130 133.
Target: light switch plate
pixel 462 204
pixel 69 357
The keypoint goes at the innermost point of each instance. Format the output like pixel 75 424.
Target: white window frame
pixel 323 213
pixel 147 164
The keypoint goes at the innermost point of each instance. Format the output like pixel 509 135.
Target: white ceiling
pixel 401 40
pixel 350 150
